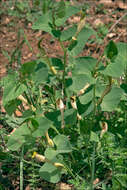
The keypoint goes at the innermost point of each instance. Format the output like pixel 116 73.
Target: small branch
pixel 106 91
pixel 113 26
pixel 21 168
pixel 46 58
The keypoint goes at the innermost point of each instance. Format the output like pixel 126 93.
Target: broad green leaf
pixel 79 81
pixel 68 33
pixel 53 117
pixel 9 79
pixel 111 50
pixel 124 87
pixel 50 153
pixel 62 143
pixel 11 106
pixel 42 23
pixel 94 137
pixel 70 117
pixel 27 114
pixel 122 54
pixel 90 109
pixel 82 39
pixel 45 4
pixel 56 33
pixel 50 173
pixel 28 68
pixel 41 73
pixel 70 10
pixel 99 89
pixel 44 125
pixel 112 99
pixel 122 179
pixel 87 97
pixel 114 69
pixel 57 63
pixel 84 65
pixel 12 91
pixel 18 138
pixel 72 45
pixel 61 9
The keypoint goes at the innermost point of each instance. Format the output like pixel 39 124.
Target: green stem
pixel 54 128
pixel 29 91
pixel 65 64
pixel 69 171
pixel 25 161
pixel 93 167
pixel 21 168
pixel 94 95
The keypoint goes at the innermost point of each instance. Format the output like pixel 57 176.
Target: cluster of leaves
pixel 69 99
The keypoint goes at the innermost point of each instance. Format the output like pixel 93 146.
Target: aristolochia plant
pixel 62 101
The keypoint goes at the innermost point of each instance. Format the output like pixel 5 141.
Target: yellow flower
pixel 39 157
pixel 58 164
pixel 49 140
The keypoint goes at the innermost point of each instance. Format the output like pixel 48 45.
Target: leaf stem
pixel 64 70
pixel 21 168
pixel 93 167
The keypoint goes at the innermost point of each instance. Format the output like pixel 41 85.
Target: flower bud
pixel 58 164
pixel 39 157
pixel 49 140
pixel 22 99
pixel 83 89
pixel 53 70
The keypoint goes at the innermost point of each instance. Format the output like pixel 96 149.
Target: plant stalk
pixel 93 167
pixel 21 168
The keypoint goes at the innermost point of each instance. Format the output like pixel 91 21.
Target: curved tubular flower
pixel 49 140
pixel 39 157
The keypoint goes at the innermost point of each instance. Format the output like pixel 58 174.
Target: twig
pixel 113 26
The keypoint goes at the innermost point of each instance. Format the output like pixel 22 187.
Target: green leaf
pixel 87 97
pixel 114 69
pixel 82 39
pixel 72 44
pixel 45 7
pixel 50 153
pixel 70 10
pixel 57 63
pixel 94 137
pixel 9 79
pixel 44 125
pixel 68 33
pixel 84 65
pixel 18 138
pixel 70 117
pixel 111 50
pixel 56 33
pixel 11 106
pixel 122 54
pixel 12 91
pixel 90 109
pixel 112 99
pixel 79 81
pixel 53 117
pixel 28 68
pixel 61 9
pixel 42 23
pixel 62 143
pixel 50 173
pixel 41 73
pixel 99 88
